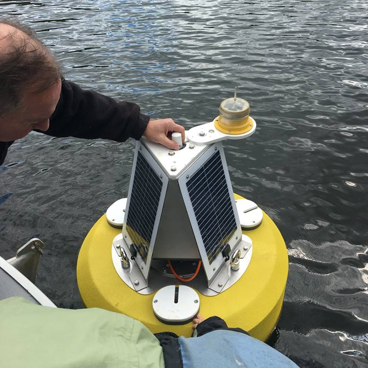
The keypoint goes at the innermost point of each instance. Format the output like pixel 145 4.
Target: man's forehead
pixel 44 101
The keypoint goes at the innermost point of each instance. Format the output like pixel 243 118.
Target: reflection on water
pixel 303 67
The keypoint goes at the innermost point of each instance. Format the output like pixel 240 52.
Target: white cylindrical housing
pixel 176 137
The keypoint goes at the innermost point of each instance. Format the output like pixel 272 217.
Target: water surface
pixel 302 65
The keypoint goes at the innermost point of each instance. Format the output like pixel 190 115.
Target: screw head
pixel 136 282
pixel 196 301
pixel 220 284
pixel 155 301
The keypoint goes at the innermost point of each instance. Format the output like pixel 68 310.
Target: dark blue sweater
pixel 87 114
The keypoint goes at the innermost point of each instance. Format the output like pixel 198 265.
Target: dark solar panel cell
pixel 212 205
pixel 143 206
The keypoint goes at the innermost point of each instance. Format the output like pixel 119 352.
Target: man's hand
pixel 197 320
pixel 159 131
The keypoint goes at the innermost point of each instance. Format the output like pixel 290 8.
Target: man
pixel 34 96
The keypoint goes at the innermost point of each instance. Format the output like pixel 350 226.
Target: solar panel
pixel 212 206
pixel 144 206
pixel 209 200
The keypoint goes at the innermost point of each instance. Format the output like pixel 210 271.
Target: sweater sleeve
pixel 88 114
pixel 215 323
pixel 4 150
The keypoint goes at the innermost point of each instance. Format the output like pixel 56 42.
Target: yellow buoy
pixel 253 303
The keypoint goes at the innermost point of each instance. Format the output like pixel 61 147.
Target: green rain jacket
pixel 100 339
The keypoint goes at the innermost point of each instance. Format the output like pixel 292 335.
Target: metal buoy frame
pixel 254 303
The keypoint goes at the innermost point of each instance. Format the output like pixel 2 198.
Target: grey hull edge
pixel 13 283
pixel 27 258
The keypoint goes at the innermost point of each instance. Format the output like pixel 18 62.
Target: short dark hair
pixel 24 65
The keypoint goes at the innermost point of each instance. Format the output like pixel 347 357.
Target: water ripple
pixel 303 67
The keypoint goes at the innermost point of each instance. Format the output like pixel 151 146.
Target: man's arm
pixel 88 114
pixel 4 150
pixel 212 324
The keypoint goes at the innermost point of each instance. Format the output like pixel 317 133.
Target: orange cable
pixel 181 278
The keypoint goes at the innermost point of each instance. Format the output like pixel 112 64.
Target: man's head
pixel 30 82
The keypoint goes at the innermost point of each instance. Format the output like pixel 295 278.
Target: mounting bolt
pixel 235 265
pixel 171 153
pixel 136 282
pixel 220 284
pixel 125 263
pixel 245 248
pixel 191 146
pixel 202 134
pixel 173 168
pixel 196 301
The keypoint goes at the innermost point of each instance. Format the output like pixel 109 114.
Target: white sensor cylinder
pixel 176 137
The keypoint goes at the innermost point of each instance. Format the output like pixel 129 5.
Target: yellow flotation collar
pixel 253 303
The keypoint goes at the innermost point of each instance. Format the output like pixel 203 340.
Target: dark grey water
pixel 303 67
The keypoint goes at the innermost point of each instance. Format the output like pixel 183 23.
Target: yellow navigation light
pixel 234 116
